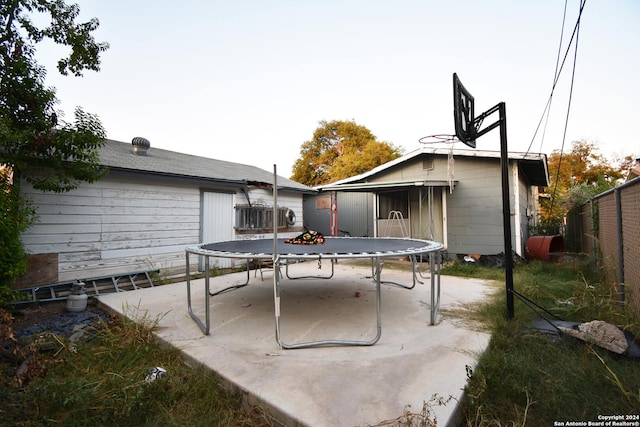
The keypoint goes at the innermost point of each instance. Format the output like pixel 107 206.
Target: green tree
pixel 340 149
pixel 15 217
pixel 35 145
pixel 575 177
pixel 50 154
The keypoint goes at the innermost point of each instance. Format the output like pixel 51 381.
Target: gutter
pixel 383 185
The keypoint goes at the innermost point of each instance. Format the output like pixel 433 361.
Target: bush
pixel 17 216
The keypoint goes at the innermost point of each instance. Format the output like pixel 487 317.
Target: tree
pixel 50 154
pixel 340 149
pixel 576 177
pixel 15 217
pixel 35 145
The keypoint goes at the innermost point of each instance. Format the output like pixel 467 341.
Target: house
pixel 453 196
pixel 147 209
pixel 634 170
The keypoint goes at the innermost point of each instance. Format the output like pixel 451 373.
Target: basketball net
pixel 449 140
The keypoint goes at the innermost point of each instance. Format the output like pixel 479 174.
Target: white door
pixel 216 223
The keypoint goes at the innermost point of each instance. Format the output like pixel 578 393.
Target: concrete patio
pixel 325 386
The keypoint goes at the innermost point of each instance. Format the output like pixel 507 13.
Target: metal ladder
pixel 93 287
pixel 396 216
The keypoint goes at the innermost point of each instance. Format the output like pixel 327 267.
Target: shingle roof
pixel 119 155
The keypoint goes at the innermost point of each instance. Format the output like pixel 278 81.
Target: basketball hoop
pixel 439 139
pixel 444 139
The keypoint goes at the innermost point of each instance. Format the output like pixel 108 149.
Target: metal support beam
pixel 501 109
pixel 506 209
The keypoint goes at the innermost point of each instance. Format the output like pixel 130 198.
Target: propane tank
pixel 77 300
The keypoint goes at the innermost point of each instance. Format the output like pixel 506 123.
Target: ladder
pixel 395 220
pixel 93 287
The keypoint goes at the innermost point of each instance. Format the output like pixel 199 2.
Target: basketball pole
pixel 506 205
pixel 506 209
pixel 467 127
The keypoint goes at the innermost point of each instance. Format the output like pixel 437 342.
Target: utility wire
pixel 566 120
pixel 558 71
pixel 555 74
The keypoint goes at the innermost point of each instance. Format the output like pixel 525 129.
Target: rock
pixel 600 333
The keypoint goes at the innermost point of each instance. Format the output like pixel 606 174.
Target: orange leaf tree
pixel 340 149
pixel 576 177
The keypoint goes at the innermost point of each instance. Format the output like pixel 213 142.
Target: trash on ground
pixel 155 374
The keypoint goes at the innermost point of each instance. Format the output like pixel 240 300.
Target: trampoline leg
pixel 203 327
pixel 286 269
pixel 232 287
pixel 413 270
pixel 283 345
pixel 276 297
pixel 434 267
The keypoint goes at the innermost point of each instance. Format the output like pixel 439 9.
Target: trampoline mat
pixel 332 246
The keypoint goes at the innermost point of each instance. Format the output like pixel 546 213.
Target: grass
pixel 101 381
pixel 523 378
pixel 526 378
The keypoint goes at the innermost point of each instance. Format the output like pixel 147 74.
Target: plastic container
pixel 540 247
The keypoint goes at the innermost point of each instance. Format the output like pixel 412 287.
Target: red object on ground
pixel 539 247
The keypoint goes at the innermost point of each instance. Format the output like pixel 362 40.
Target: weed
pixel 102 382
pixel 424 418
pixel 525 377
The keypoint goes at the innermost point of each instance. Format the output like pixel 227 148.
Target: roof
pixel 634 171
pixel 120 156
pixel 534 166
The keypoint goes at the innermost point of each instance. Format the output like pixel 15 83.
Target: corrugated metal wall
pixel 354 213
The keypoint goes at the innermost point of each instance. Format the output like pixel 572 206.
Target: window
pixel 259 218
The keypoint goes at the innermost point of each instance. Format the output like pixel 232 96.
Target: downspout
pixel 620 245
pixel 245 190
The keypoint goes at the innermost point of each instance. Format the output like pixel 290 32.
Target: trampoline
pixel 334 248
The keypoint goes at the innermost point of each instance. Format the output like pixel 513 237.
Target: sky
pixel 249 81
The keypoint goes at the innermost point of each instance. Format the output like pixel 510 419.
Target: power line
pixel 557 72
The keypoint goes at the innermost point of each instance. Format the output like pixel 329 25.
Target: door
pixel 216 223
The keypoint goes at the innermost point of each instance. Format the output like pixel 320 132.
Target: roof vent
pixel 140 145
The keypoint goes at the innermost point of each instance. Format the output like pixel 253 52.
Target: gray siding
pixel 114 227
pixel 475 208
pixel 119 225
pixel 524 208
pixel 468 219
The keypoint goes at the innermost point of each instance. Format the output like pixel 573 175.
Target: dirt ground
pixel 29 315
pixel 35 314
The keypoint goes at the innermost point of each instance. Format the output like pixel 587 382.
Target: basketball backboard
pixel 463 113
